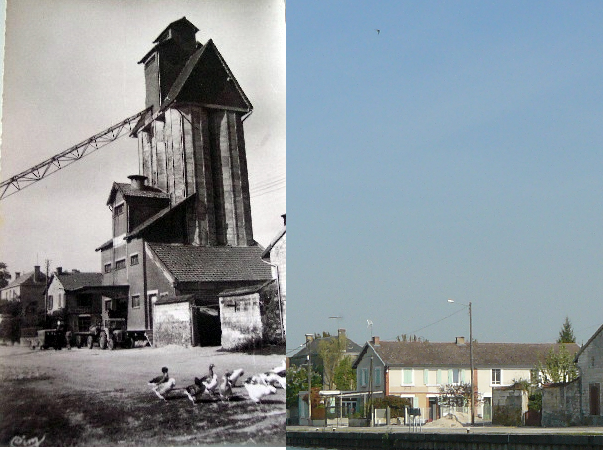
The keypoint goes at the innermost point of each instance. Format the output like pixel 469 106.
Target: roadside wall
pixel 172 324
pixel 561 404
pixel 240 320
pixel 509 405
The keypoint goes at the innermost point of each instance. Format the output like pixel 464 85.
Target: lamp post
pixel 451 301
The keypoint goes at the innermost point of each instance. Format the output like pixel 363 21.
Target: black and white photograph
pixel 142 223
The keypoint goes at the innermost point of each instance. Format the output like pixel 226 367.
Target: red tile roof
pixel 188 263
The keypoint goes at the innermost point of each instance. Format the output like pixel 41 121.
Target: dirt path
pixel 100 397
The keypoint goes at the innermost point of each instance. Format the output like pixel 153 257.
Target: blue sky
pixel 456 154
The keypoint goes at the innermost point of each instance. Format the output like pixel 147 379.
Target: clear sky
pixel 456 154
pixel 71 71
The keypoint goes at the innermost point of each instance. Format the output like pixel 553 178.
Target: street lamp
pixel 451 301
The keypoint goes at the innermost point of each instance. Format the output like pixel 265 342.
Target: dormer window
pixel 118 210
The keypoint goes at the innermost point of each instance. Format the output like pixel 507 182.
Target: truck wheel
pixel 103 340
pixel 111 344
pixel 128 343
pixel 90 341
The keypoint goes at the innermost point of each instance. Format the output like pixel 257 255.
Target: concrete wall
pixel 240 320
pixel 172 324
pixel 509 405
pixel 561 405
pixel 278 257
pixel 590 367
pixel 346 439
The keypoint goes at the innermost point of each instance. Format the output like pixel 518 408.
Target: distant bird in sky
pixel 377 30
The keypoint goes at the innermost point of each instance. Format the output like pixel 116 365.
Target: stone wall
pixel 590 366
pixel 509 405
pixel 561 405
pixel 172 324
pixel 240 321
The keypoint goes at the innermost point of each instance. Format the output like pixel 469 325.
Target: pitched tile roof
pixel 127 190
pixel 74 280
pixel 414 354
pixel 27 279
pixel 188 263
pixel 351 347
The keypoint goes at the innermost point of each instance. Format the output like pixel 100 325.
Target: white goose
pixel 257 390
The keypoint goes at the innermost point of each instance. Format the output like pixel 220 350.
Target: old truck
pixel 50 338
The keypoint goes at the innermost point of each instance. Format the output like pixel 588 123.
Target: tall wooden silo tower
pixel 191 141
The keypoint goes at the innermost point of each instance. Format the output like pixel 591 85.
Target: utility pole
pixel 371 390
pixel 46 296
pixel 472 407
pixel 309 382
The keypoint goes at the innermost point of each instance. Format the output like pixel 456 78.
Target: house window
pixel 107 267
pixel 118 210
pixel 108 305
pixel 455 376
pixel 50 302
pixel 439 377
pixel 364 377
pixel 378 376
pixel 134 260
pixel 120 264
pixel 496 377
pixel 136 301
pixel 407 376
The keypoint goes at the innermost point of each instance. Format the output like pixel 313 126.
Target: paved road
pixel 583 430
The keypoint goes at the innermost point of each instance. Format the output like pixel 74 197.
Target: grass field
pixel 100 398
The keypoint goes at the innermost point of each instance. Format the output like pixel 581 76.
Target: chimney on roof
pixel 283 216
pixel 59 270
pixel 460 341
pixel 17 275
pixel 375 341
pixel 309 338
pixel 37 274
pixel 137 181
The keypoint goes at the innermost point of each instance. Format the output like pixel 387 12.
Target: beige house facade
pixel 417 370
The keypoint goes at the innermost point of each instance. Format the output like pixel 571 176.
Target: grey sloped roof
pixel 27 279
pixel 351 347
pixel 189 263
pixel 127 190
pixel 414 354
pixel 73 281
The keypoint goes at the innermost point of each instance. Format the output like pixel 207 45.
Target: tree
pixel 330 351
pixel 297 381
pixel 4 275
pixel 345 377
pixel 566 333
pixel 558 366
pixel 455 395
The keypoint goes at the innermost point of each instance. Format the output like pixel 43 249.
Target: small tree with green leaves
pixel 297 381
pixel 345 377
pixel 558 366
pixel 566 333
pixel 330 351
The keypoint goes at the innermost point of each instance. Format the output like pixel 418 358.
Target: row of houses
pixel 417 370
pixel 181 264
pixel 231 317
